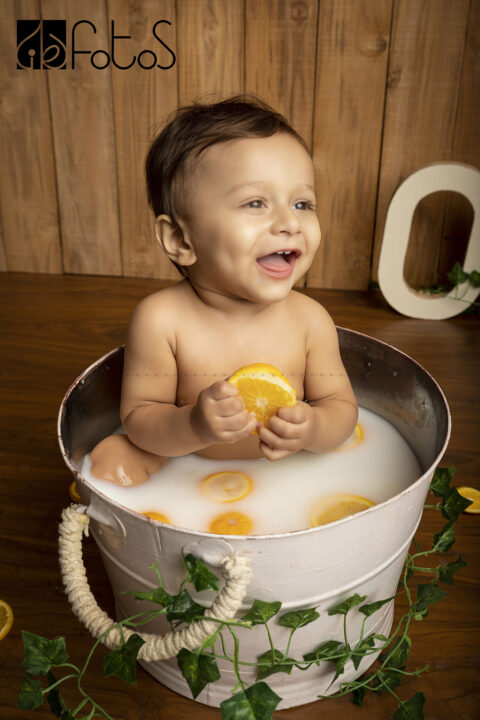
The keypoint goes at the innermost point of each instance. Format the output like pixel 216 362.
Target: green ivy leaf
pixel 30 695
pixel 454 504
pixel 474 278
pixel 158 596
pixel 427 594
pixel 67 715
pixel 298 618
pixel 326 651
pixel 361 648
pixel 183 607
pixel 440 484
pixel 445 538
pixel 197 669
pixel 411 709
pixel 199 575
pixel 374 607
pixel 261 612
pixel 344 607
pixel 397 655
pixel 122 661
pixel 386 680
pixel 255 703
pixel 457 275
pixel 446 572
pixel 41 654
pixel 358 694
pixel 272 662
pixel 54 698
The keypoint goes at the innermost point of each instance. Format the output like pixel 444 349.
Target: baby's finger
pixel 284 428
pixel 222 389
pixel 273 454
pixel 226 407
pixel 276 441
pixel 295 414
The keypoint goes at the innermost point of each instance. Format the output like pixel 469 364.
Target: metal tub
pixel 318 567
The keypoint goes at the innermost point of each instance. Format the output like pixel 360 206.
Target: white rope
pixel 235 571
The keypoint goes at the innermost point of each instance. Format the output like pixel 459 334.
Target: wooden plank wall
pixel 378 88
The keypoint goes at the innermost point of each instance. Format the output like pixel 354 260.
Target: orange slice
pixel 335 507
pixel 355 439
pixel 471 494
pixel 231 523
pixel 263 389
pixel 6 618
pixel 159 517
pixel 73 492
pixel 227 486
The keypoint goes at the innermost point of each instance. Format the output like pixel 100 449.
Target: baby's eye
pixel 257 204
pixel 304 205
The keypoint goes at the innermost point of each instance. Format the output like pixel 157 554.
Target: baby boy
pixel 232 188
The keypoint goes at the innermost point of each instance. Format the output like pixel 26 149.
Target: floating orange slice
pixel 263 389
pixel 227 486
pixel 6 618
pixel 471 494
pixel 355 439
pixel 335 507
pixel 160 517
pixel 231 523
pixel 73 492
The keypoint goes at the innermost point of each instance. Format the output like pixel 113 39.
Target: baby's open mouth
pixel 279 264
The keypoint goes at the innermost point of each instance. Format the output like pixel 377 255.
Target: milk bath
pixel 377 466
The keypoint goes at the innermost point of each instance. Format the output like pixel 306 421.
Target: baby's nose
pixel 285 220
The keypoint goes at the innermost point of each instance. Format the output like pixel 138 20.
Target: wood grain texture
pixel 352 51
pixel 378 88
pixel 84 139
pixel 28 199
pixel 428 42
pixel 142 99
pixel 210 49
pixel 47 344
pixel 466 147
pixel 280 58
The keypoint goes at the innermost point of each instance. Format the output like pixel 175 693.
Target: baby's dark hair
pixel 191 130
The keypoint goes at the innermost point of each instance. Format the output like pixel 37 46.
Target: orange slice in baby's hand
pixel 335 507
pixel 471 494
pixel 227 486
pixel 263 389
pixel 6 618
pixel 231 523
pixel 355 439
pixel 160 517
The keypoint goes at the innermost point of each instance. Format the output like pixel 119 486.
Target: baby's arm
pixel 148 412
pixel 330 413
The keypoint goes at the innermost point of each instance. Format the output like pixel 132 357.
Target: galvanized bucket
pixel 318 567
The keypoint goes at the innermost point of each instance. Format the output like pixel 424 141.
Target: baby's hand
pixel 219 415
pixel 288 431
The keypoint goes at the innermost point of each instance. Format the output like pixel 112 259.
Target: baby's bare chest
pixel 207 353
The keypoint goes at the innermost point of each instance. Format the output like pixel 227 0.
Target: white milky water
pixel 379 467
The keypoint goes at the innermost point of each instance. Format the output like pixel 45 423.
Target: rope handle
pixel 235 571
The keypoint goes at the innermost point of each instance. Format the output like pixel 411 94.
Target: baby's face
pixel 252 219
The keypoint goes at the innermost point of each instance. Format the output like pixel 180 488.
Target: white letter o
pixel 442 176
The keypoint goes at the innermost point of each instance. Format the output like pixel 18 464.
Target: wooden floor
pixel 51 328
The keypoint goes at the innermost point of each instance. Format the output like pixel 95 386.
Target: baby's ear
pixel 174 241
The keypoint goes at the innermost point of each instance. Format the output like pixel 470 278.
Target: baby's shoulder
pixel 158 313
pixel 309 310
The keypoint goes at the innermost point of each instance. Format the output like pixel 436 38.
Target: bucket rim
pixel 252 538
